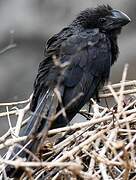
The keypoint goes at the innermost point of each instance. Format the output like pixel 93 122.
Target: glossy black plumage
pixel 90 48
pixel 89 52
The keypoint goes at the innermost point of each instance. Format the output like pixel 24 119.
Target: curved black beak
pixel 116 20
pixel 119 18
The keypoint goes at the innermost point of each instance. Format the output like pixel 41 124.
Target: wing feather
pixel 41 81
pixel 89 55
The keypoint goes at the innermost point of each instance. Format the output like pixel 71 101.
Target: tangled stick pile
pixel 103 147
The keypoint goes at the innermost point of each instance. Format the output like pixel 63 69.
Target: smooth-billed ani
pixel 89 45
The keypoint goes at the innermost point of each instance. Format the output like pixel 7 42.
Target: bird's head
pixel 103 17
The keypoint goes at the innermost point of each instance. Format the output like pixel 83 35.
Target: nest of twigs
pixel 102 147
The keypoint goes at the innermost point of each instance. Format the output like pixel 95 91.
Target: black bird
pixel 89 45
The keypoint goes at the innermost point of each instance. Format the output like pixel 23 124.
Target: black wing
pixel 89 55
pixel 43 78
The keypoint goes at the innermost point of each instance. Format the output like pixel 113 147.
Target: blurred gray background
pixel 33 22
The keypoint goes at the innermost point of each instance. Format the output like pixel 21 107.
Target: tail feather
pixel 35 116
pixel 37 125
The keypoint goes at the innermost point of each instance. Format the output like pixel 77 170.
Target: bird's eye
pixel 102 20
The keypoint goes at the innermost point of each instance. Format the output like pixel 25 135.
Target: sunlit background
pixel 29 23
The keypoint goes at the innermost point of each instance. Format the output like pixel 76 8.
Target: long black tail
pixel 36 126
